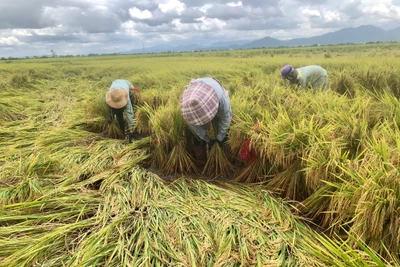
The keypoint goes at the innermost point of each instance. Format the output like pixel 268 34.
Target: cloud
pixel 352 10
pixel 9 41
pixel 92 20
pixel 103 25
pixel 384 11
pixel 226 12
pixel 136 13
pixel 312 13
pixel 19 14
pixel 312 2
pixel 172 6
pixel 331 16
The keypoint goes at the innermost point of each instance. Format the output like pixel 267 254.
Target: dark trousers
pixel 199 147
pixel 119 113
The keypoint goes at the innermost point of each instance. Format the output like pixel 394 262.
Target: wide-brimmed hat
pixel 286 71
pixel 199 103
pixel 117 98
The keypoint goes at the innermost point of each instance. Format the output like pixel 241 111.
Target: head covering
pixel 286 71
pixel 117 98
pixel 199 103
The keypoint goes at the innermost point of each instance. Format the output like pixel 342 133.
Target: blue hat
pixel 286 71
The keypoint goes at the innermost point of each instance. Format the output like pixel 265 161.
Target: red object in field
pixel 256 126
pixel 135 90
pixel 246 153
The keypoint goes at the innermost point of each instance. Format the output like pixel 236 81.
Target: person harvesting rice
pixel 118 100
pixel 205 102
pixel 310 76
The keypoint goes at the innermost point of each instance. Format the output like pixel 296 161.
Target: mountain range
pixel 362 34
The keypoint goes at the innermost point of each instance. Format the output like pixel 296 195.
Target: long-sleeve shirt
pixel 126 85
pixel 312 75
pixel 222 119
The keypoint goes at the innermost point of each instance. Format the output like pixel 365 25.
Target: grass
pixel 73 194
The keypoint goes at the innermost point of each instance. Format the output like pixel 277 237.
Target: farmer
pixel 310 76
pixel 118 100
pixel 206 102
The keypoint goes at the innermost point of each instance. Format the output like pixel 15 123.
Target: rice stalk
pixel 290 183
pixel 217 165
pixel 180 162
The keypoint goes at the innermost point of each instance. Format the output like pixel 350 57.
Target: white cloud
pixel 206 7
pixel 380 9
pixel 330 16
pixel 9 41
pixel 235 4
pixel 139 14
pixel 59 29
pixel 383 11
pixel 100 8
pixel 311 13
pixel 22 32
pixel 210 24
pixel 127 25
pixel 172 6
pixel 183 27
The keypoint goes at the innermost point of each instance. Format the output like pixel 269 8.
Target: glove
pixel 129 135
pixel 223 142
pixel 212 142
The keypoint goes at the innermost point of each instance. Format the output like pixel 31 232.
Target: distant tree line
pixel 53 53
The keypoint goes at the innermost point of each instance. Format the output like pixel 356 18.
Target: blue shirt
pixel 124 84
pixel 310 75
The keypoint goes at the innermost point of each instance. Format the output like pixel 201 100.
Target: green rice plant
pixel 97 206
pixel 385 107
pixel 27 190
pixel 59 139
pixel 188 223
pixel 25 167
pixel 217 164
pixel 39 247
pixel 322 160
pixel 133 156
pixel 282 141
pixel 103 155
pixel 142 118
pixel 290 183
pixel 316 206
pixel 99 119
pixel 375 215
pixel 180 161
pixel 242 127
pixel 378 80
pixel 10 111
pixel 344 84
pixel 153 98
pixel 171 135
pixel 20 80
pixel 331 248
pixel 45 229
pixel 254 171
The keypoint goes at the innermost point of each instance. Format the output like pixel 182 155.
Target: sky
pixel 81 27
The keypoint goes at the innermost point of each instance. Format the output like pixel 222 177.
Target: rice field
pixel 323 188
